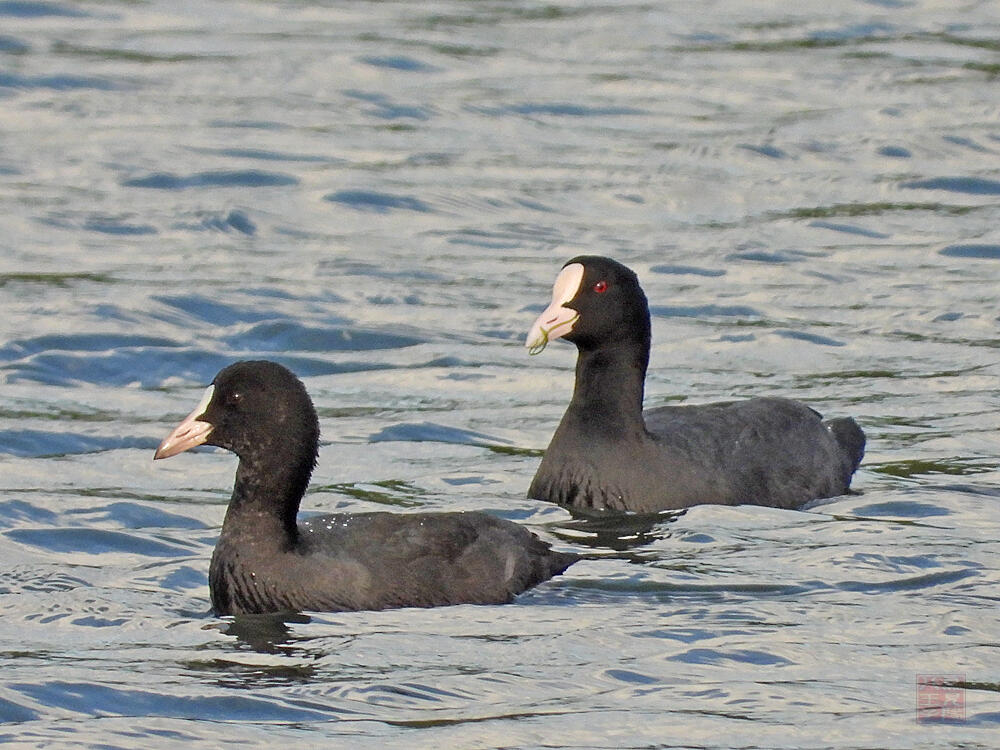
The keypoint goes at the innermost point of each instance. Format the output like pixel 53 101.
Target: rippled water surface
pixel 379 195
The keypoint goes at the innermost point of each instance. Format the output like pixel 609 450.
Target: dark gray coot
pixel 608 454
pixel 265 561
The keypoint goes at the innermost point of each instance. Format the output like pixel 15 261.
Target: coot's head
pixel 595 301
pixel 258 410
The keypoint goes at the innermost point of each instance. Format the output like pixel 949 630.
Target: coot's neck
pixel 609 387
pixel 266 497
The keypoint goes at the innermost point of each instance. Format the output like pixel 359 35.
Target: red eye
pixel 601 287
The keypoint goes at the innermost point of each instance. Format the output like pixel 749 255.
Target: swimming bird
pixel 266 561
pixel 609 454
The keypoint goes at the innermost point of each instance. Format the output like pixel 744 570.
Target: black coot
pixel 608 454
pixel 265 561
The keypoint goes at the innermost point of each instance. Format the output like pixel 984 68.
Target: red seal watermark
pixel 940 698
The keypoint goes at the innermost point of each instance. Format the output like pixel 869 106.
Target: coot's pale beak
pixel 190 432
pixel 557 319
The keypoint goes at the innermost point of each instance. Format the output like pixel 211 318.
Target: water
pixel 379 195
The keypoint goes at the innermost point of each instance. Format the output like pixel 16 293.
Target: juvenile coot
pixel 266 562
pixel 608 454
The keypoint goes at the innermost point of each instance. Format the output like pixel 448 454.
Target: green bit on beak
pixel 537 348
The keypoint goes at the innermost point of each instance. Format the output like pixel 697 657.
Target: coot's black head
pixel 596 301
pixel 258 410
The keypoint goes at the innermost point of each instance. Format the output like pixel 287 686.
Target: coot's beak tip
pixel 557 320
pixel 191 432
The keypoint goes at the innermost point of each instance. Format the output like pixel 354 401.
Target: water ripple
pixel 212 311
pixel 135 516
pixel 277 336
pixel 152 368
pixel 386 109
pixel 39 443
pixel 849 229
pixel 719 656
pixel 418 432
pixel 928 580
pixel 249 178
pixel 80 342
pixel 812 338
pixel 680 270
pixel 11 712
pixel 95 699
pixel 260 154
pixel 19 510
pixel 12 46
pixel 772 152
pixel 95 542
pixel 982 252
pixel 902 509
pixel 970 185
pixel 38 9
pixel 761 256
pixel 566 109
pixel 397 62
pixel 118 227
pixel 704 311
pixel 237 220
pixel 59 82
pixel 377 202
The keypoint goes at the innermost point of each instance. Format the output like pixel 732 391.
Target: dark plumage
pixel 608 454
pixel 266 562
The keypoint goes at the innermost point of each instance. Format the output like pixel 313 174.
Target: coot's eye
pixel 235 398
pixel 600 287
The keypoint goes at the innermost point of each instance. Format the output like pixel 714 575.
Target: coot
pixel 265 561
pixel 608 454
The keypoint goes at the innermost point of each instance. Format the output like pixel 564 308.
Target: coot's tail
pixel 544 563
pixel 851 438
pixel 559 561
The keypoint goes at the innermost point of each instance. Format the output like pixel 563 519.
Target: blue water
pixel 379 195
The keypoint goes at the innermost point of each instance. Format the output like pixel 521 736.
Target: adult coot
pixel 608 454
pixel 266 562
